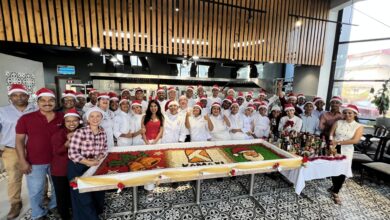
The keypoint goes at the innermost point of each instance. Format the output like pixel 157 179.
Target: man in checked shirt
pixel 87 148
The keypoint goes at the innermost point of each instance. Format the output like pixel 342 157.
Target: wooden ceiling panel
pixel 248 30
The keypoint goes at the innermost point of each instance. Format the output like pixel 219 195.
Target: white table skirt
pixel 318 169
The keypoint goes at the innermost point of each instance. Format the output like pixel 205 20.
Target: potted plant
pixel 381 100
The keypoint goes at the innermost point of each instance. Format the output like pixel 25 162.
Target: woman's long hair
pixel 148 114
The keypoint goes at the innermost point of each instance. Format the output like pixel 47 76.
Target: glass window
pixel 203 71
pixel 184 70
pixel 372 18
pixel 358 93
pixel 260 70
pixel 243 72
pixel 135 61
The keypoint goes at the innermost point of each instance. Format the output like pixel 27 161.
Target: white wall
pixel 306 80
pixel 19 70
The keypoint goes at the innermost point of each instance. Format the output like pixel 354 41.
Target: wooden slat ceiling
pixel 207 28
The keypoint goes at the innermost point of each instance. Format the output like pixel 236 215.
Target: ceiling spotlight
pixel 96 49
pixel 176 9
pixel 177 5
pixel 298 23
pixel 129 52
pixel 271 62
pixel 195 57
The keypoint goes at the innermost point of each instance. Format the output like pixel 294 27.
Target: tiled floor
pixel 273 199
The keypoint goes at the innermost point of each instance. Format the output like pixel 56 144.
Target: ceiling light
pixel 298 23
pixel 271 62
pixel 195 57
pixel 176 9
pixel 96 49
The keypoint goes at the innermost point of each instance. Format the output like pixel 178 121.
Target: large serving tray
pixel 88 182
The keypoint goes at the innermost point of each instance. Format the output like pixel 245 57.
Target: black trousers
pixel 338 182
pixel 84 205
pixel 62 190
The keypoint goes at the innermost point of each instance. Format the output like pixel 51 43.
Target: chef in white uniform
pixel 220 122
pixel 103 102
pixel 139 95
pixel 174 125
pixel 198 125
pixel 237 131
pixel 136 123
pixel 215 97
pixel 261 122
pixel 122 123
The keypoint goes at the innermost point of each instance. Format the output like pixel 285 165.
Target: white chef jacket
pixel 198 129
pixel 144 105
pixel 136 125
pixel 248 123
pixel 216 99
pixel 108 126
pixel 261 125
pixel 162 104
pixel 237 122
pixel 221 130
pixel 225 112
pixel 296 127
pixel 122 126
pixel 191 102
pixel 174 128
pixel 87 106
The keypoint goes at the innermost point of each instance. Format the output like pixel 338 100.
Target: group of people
pixel 53 146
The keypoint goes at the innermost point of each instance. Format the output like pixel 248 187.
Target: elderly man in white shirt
pixel 122 121
pixel 174 125
pixel 310 123
pixel 290 122
pixel 9 116
pixel 261 122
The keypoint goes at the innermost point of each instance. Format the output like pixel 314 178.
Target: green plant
pixel 381 98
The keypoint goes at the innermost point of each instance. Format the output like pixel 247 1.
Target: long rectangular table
pixel 88 182
pixel 317 169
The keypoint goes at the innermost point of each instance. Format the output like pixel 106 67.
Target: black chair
pixel 369 139
pixel 381 169
pixel 360 158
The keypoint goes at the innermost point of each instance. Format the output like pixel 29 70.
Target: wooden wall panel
pixel 255 30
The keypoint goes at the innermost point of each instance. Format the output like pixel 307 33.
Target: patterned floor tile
pixel 273 199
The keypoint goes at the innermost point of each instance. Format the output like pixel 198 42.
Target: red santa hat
pixel 275 108
pixel 170 103
pixel 203 98
pixel 337 99
pixel 262 93
pixel 103 95
pixel 171 89
pixel 317 99
pixel 231 90
pixel 308 102
pixel 237 150
pixel 256 101
pixel 250 94
pixel 229 99
pixel 215 87
pixel 240 95
pixel 235 103
pixel 69 93
pixel 288 107
pixel 160 89
pixel 72 112
pixel 124 100
pixel 251 106
pixel 198 105
pixel 17 88
pixel 113 96
pixel 80 94
pixel 125 90
pixel 291 96
pixel 92 90
pixel 138 89
pixel 45 92
pixel 263 105
pixel 301 96
pixel 200 86
pixel 190 88
pixel 353 108
pixel 216 104
pixel 136 103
